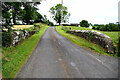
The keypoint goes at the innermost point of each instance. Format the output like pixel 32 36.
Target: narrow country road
pixel 57 57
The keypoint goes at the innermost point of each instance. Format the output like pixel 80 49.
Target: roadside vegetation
pixel 22 27
pixel 13 58
pixel 106 27
pixel 84 43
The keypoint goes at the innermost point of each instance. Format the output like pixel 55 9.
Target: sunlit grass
pixel 17 27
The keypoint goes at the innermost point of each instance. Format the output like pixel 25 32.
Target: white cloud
pixel 95 11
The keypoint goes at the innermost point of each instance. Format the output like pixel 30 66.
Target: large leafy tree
pixel 84 23
pixel 29 12
pixel 56 13
pixel 16 11
pixel 6 16
pixel 12 12
pixel 39 18
pixel 46 21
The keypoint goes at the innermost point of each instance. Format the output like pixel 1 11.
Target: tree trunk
pixel 14 19
pixel 59 23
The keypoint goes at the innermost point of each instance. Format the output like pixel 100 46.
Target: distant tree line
pixel 101 27
pixel 107 27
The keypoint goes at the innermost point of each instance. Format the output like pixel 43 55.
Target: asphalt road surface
pixel 57 57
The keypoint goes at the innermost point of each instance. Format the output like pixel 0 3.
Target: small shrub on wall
pixel 13 38
pixel 6 39
pixel 36 26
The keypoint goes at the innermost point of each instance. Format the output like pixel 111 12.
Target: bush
pixel 6 39
pixel 96 27
pixel 84 23
pixel 107 27
pixel 36 26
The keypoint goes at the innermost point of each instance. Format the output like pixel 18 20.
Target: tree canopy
pixel 26 12
pixel 84 23
pixel 56 13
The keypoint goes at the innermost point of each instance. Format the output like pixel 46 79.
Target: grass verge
pixel 13 58
pixel 83 43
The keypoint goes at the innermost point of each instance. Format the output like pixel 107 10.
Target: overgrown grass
pixel 83 43
pixel 13 58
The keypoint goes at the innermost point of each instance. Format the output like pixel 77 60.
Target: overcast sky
pixel 95 11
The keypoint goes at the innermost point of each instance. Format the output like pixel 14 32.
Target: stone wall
pixel 95 37
pixel 17 36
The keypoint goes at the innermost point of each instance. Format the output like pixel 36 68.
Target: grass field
pixel 14 58
pixel 83 43
pixel 113 35
pixel 18 27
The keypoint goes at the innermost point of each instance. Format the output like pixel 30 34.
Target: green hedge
pixel 107 27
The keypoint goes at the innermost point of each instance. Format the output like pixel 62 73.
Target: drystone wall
pixel 17 36
pixel 95 37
